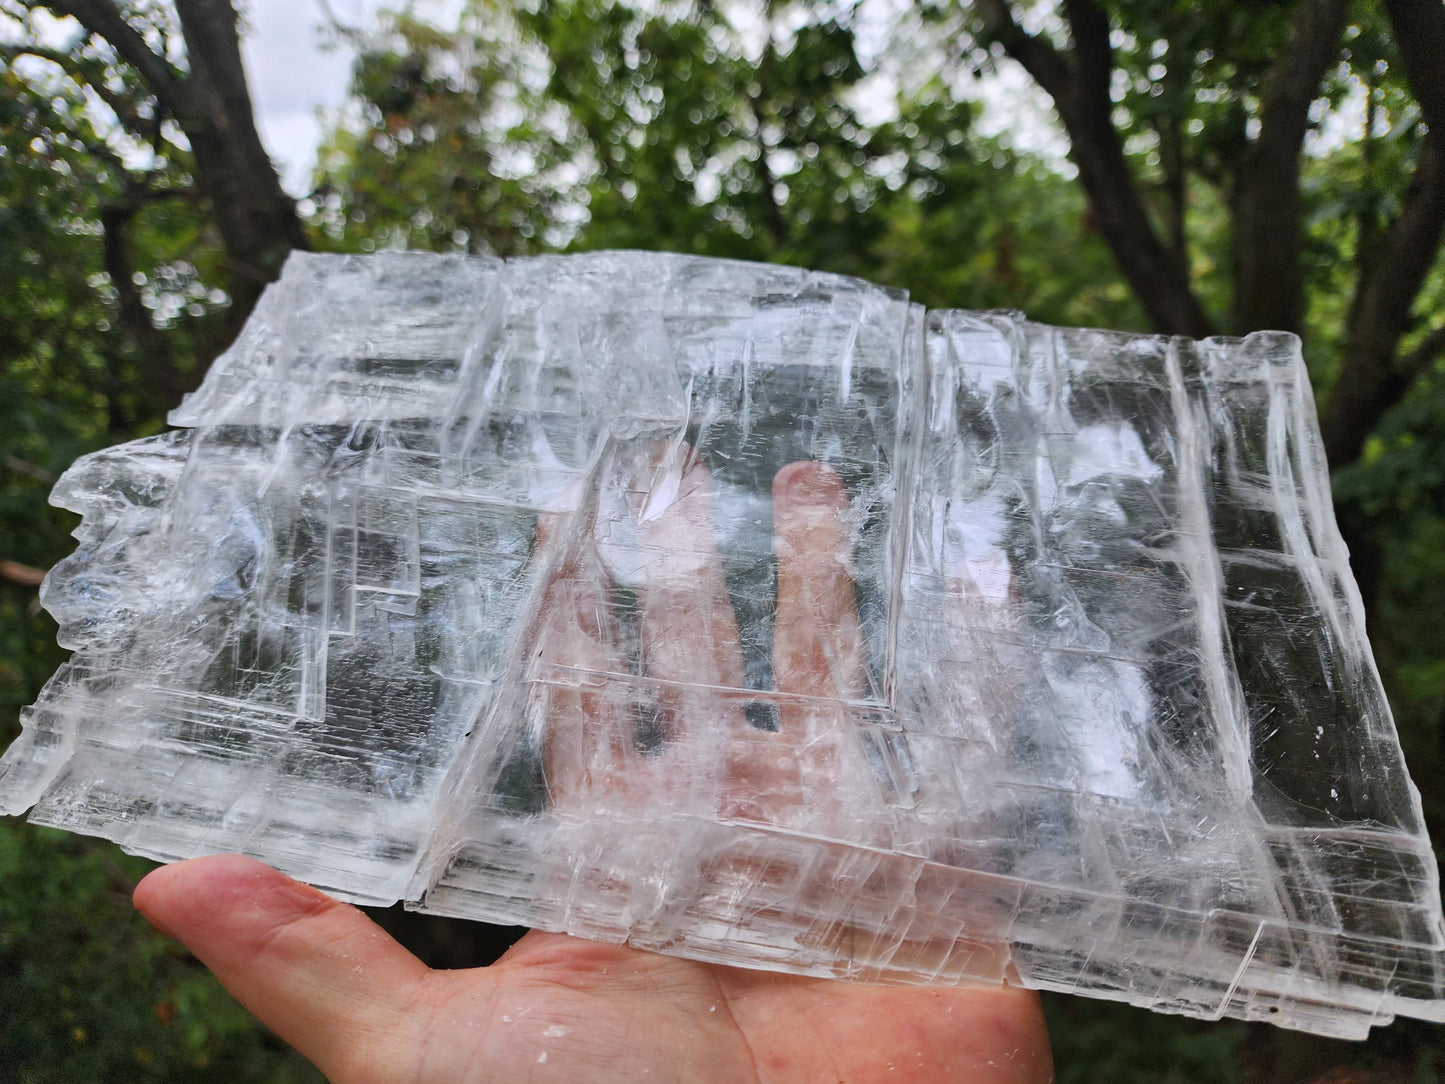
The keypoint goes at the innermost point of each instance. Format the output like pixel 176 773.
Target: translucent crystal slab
pixel 757 616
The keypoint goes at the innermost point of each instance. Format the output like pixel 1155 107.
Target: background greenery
pixel 1229 166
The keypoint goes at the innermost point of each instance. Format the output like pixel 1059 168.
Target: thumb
pixel 319 973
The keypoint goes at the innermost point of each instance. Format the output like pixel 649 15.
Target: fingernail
pixel 798 481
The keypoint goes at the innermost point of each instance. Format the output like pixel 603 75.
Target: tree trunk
pixel 256 218
pixel 1154 271
pixel 211 105
pixel 163 381
pixel 1267 241
pixel 1078 83
pixel 1374 378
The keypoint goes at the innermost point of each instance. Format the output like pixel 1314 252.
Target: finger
pixel 319 973
pixel 817 641
pixel 586 744
pixel 690 640
pixel 690 633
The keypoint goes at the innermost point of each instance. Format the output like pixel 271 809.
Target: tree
pixel 581 125
pixel 1268 66
pixel 456 150
pixel 188 104
pixel 687 126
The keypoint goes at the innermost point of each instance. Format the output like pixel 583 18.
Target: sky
pixel 292 78
pixel 297 75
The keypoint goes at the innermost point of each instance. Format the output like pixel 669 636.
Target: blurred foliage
pixel 1096 1042
pixel 773 132
pixel 87 991
pixel 92 994
pixel 580 125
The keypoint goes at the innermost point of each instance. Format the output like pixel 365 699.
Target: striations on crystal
pixel 753 615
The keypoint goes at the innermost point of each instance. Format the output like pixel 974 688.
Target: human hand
pixel 351 999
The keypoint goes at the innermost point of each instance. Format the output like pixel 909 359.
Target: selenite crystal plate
pixel 758 616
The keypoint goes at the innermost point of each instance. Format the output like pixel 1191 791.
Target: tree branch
pixel 1368 219
pixel 255 217
pixel 1431 347
pixel 1174 162
pixel 1093 56
pixel 1419 32
pixel 1373 380
pixel 1268 281
pixel 213 49
pixel 24 575
pixel 1040 59
pixel 103 19
pixel 157 359
pixel 29 469
pixel 1078 83
pixel 77 69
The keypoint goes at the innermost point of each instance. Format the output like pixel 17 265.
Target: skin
pixel 554 1008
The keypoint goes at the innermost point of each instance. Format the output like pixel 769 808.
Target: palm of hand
pixel 351 999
